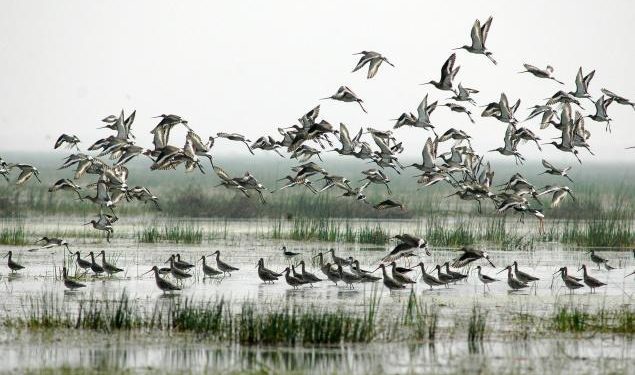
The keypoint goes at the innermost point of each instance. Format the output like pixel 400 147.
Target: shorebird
pixel 408 245
pixel 601 105
pixel 181 264
pixel 389 203
pixel 96 268
pixel 337 260
pixel 389 282
pixel 456 276
pixel 365 275
pixel 13 266
pixel 308 276
pixel 27 171
pixel 292 281
pixel 442 277
pixel 591 282
pixel 582 84
pixel 70 283
pixel 460 109
pixel 374 59
pixel 470 255
pixel 288 254
pixel 618 99
pixel 559 193
pixel 597 259
pixel 513 282
pixel 423 114
pixel 541 73
pixel 236 137
pixel 162 283
pixel 70 140
pixel 485 279
pixel 109 268
pixel 462 94
pixel 510 146
pixel 50 242
pixel 570 282
pixel 522 276
pixel 347 277
pixel 82 263
pixel 427 278
pixel 448 72
pixel 226 268
pixel 344 94
pixel 177 273
pixel 210 271
pixel 400 277
pixel 479 37
pixel 556 171
pixel 326 269
pixel 66 184
pixel 104 224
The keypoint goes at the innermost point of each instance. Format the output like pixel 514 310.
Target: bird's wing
pixel 508 137
pixel 362 61
pixel 547 165
pixel 382 145
pixel 558 196
pixel 373 67
pixel 579 82
pixel 485 30
pixel 24 176
pixel 60 140
pixel 477 40
pixel 220 172
pixel 345 138
pixel 588 78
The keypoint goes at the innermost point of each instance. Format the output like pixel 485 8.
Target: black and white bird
pixel 479 37
pixel 373 59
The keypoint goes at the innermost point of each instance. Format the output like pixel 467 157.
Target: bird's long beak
pixel 490 262
pixel 147 272
pixel 86 223
pixel 6 255
pixel 574 199
pixel 557 272
pixel 328 97
pixel 157 116
pixel 580 269
pixel 504 269
pixel 375 269
pixel 632 273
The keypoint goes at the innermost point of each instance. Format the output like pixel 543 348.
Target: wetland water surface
pixel 505 346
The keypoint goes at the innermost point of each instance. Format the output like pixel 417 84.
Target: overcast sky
pixel 252 66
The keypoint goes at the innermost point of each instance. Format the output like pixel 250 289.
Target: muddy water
pixel 22 349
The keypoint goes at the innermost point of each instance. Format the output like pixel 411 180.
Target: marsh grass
pixel 575 319
pixel 423 319
pixel 13 235
pixel 176 232
pixel 476 327
pixel 306 229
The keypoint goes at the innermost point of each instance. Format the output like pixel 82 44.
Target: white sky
pixel 251 66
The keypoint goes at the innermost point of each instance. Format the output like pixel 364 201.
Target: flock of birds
pixel 460 166
pixel 335 271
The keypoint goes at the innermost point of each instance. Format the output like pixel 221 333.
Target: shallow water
pixel 449 354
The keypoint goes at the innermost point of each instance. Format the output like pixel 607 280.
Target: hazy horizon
pixel 252 68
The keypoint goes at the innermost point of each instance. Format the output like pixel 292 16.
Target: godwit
pixel 344 94
pixel 556 171
pixel 569 281
pixel 308 276
pixel 266 275
pixel 456 276
pixel 13 266
pixel 399 277
pixel 109 268
pixel 444 278
pixel 460 109
pixel 70 140
pixel 298 276
pixel 389 282
pixel 427 278
pixel 82 263
pixel 102 224
pixel 601 105
pixel 407 247
pixel 27 171
pixel 597 259
pixel 485 279
pixel 513 282
pixel 96 268
pixel 288 254
pixel 559 193
pixel 129 152
pixel 510 145
pixel 448 72
pixel 337 260
pixel 182 264
pixel 178 274
pixel 374 58
pixel 209 270
pixel 470 255
pixel 462 94
pixel 365 275
pixel 591 282
pixel 236 137
pixel 347 277
pixel 522 276
pixel 292 281
pixel 479 36
pixel 326 269
pixel 389 203
pixel 162 283
pixel 582 84
pixel 66 184
pixel 50 242
pixel 226 268
pixel 618 99
pixel 70 283
pixel 541 73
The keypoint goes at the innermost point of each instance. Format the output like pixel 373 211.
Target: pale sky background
pixel 251 66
